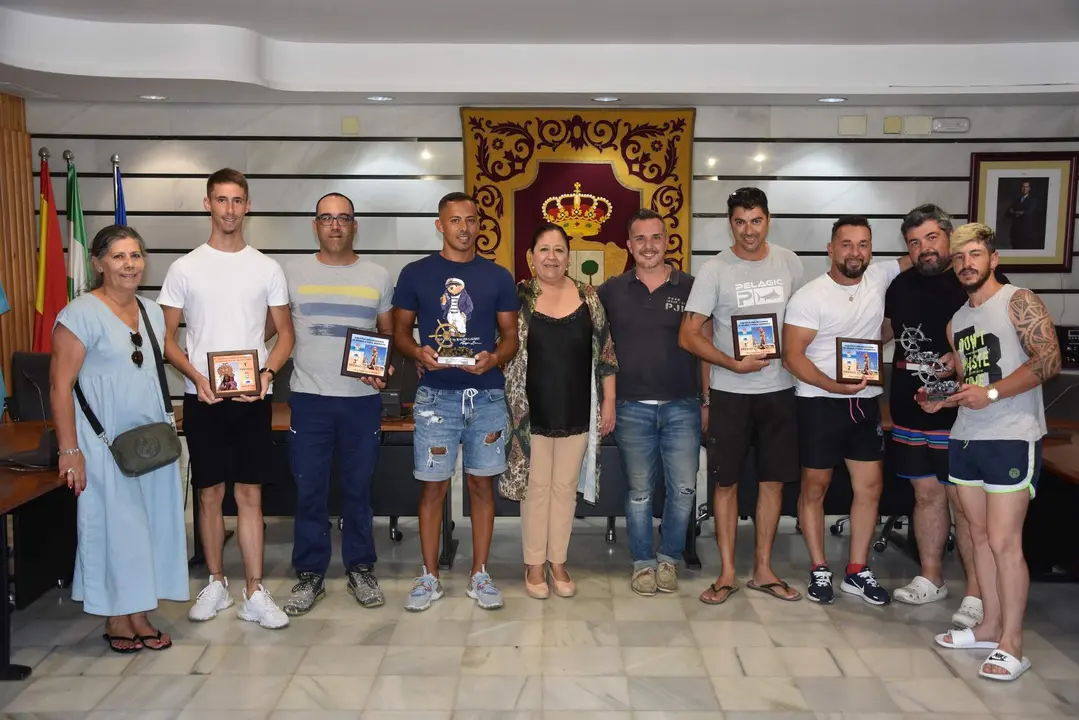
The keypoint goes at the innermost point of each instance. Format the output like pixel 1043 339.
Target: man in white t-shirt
pixel 838 421
pixel 223 289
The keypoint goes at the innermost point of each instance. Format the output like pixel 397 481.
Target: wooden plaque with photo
pixel 756 336
pixel 234 373
pixel 368 354
pixel 858 359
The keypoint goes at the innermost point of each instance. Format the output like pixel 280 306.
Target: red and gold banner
pixel 586 170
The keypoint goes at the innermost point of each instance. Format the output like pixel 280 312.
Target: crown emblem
pixel 580 215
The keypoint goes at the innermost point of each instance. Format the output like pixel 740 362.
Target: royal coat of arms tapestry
pixel 586 170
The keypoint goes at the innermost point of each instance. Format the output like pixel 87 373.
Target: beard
pixel 930 264
pixel 852 273
pixel 973 286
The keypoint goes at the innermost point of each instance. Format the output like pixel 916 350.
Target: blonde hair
pixel 973 232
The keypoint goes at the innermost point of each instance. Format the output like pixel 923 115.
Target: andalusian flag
pixel 51 279
pixel 78 259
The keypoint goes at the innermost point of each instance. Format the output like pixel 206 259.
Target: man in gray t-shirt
pixel 332 414
pixel 747 285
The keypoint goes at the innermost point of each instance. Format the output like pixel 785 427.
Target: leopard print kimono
pixel 514 481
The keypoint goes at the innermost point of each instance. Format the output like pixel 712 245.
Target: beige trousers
pixel 551 498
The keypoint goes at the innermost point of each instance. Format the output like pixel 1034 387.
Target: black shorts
pixel 832 430
pixel 919 453
pixel 767 421
pixel 228 441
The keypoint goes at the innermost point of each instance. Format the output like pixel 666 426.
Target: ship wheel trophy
pixel 929 366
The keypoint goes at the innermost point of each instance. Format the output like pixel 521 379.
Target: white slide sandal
pixel 1005 661
pixel 964 640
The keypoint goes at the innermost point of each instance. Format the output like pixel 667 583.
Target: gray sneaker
pixel 667 578
pixel 363 585
pixel 425 591
pixel 644 581
pixel 484 592
pixel 309 590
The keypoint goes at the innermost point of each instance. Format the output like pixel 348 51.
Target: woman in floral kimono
pixel 561 404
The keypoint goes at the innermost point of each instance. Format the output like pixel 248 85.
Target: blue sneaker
pixel 425 591
pixel 484 592
pixel 820 585
pixel 865 584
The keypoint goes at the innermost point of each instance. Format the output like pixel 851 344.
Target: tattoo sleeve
pixel 1036 334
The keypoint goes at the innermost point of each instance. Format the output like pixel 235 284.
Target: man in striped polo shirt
pixel 330 291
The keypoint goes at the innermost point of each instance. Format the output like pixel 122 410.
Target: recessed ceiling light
pixel 759 158
pixel 379 98
pixel 832 99
pixel 606 98
pixel 426 154
pixel 711 162
pixel 154 97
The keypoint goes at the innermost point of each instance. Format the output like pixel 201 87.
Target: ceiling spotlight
pixel 711 162
pixel 606 98
pixel 154 97
pixel 379 98
pixel 426 154
pixel 759 158
pixel 831 99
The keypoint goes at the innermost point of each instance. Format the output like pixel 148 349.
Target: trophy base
pixel 456 360
pixel 924 396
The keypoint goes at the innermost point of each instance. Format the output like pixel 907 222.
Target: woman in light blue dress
pixel 132 537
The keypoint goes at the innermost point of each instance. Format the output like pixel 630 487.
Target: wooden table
pixel 17 487
pixel 282 419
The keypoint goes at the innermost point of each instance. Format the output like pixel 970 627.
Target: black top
pixel 644 328
pixel 914 299
pixel 560 373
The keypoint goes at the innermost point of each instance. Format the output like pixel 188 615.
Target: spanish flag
pixel 51 273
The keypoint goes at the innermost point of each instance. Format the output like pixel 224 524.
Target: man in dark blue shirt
pixel 466 308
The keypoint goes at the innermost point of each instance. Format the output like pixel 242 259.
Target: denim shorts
pixel 446 419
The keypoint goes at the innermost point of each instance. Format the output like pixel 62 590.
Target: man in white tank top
pixel 1007 347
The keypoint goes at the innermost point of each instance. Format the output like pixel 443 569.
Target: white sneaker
pixel 213 598
pixel 970 613
pixel 261 608
pixel 920 591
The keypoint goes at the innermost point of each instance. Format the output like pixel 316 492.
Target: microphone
pixel 48 447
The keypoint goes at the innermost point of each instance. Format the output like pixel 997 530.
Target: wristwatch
pixel 993 394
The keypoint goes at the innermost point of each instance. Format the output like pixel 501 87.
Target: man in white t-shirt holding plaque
pixel 839 417
pixel 224 290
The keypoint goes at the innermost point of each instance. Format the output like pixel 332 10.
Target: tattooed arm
pixel 1038 338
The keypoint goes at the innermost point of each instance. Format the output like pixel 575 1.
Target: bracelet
pixel 273 374
pixel 72 451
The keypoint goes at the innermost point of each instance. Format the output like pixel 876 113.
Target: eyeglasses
pixel 136 357
pixel 327 219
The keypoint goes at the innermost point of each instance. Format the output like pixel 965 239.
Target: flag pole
pixel 44 154
pixel 115 191
pixel 69 156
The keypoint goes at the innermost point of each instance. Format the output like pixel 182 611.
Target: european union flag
pixel 121 211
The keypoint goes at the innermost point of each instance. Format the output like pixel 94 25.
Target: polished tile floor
pixel 605 654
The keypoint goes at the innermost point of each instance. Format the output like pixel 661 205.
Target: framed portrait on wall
pixel 1029 201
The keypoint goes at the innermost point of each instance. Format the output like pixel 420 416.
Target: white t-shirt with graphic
pixel 840 311
pixel 727 285
pixel 225 298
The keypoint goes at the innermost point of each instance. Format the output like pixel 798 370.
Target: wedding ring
pixel 71 471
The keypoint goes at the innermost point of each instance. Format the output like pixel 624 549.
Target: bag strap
pixel 92 418
pixel 158 361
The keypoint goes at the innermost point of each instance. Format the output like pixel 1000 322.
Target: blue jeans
pixel 446 419
pixel 322 427
pixel 648 435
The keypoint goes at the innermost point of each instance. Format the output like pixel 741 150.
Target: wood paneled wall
pixel 17 242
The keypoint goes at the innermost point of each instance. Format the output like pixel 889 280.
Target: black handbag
pixel 145 448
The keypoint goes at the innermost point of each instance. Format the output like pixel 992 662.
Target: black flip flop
pixel 110 639
pixel 770 589
pixel 731 590
pixel 144 638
